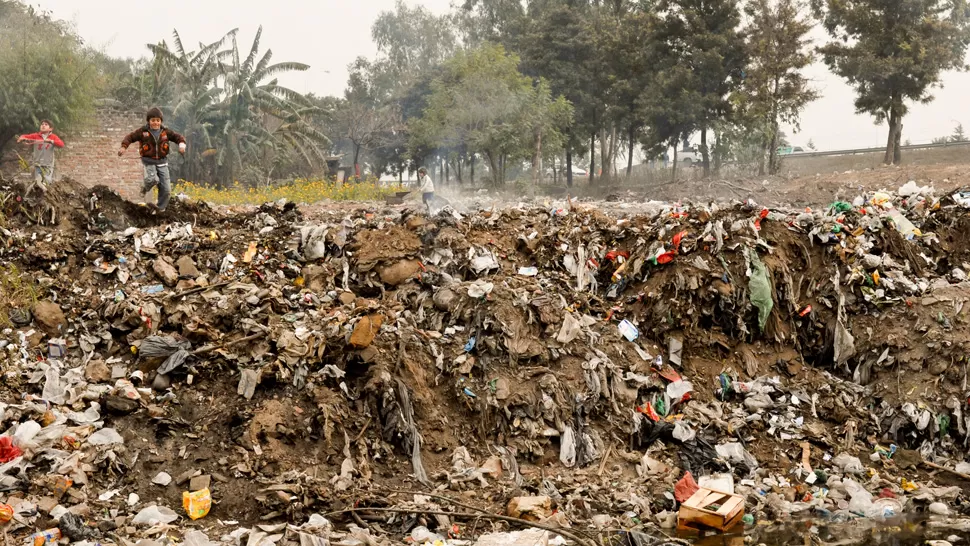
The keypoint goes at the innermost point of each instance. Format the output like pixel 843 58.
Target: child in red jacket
pixel 42 160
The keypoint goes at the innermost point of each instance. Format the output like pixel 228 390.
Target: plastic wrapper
pixel 197 503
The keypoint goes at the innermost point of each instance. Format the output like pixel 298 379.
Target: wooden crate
pixel 711 509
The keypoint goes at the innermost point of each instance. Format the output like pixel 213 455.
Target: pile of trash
pixel 567 370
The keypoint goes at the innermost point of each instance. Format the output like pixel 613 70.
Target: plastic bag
pixel 567 449
pixel 8 451
pixel 848 463
pixel 760 288
pixel 153 515
pixel 734 452
pixel 683 432
pixel 197 503
pixel 570 329
pixel 105 437
pixel 678 389
pixel 685 488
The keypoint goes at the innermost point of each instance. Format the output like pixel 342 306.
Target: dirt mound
pixel 563 352
pixel 69 205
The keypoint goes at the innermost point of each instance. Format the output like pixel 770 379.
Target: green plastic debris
pixel 748 519
pixel 760 288
pixel 842 206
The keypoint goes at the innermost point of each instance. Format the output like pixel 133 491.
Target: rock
pixel 445 299
pixel 939 508
pixel 161 382
pixel 187 268
pixel 97 372
pixel 162 479
pixel 530 508
pixel 369 354
pixel 82 510
pixel 315 278
pixel 492 467
pixel 399 272
pixel 365 331
pixel 199 483
pixel 119 405
pixel 907 458
pixel 49 316
pixel 185 285
pixel 46 504
pixel 186 476
pixel 165 271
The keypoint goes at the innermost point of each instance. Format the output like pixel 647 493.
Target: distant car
pixel 788 150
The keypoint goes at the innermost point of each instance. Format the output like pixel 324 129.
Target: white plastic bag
pixel 105 437
pixel 567 450
pixel 153 515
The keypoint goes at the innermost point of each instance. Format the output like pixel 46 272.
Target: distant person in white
pixel 426 187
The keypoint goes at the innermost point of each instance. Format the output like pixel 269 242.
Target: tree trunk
pixel 537 164
pixel 569 168
pixel 447 170
pixel 705 154
pixel 765 142
pixel 356 164
pixel 773 165
pixel 629 159
pixel 471 169
pixel 718 158
pixel 604 155
pixel 897 151
pixel 891 140
pixel 493 165
pixel 592 158
pixel 673 172
pixel 614 150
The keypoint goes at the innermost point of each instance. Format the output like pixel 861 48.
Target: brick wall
pixel 90 155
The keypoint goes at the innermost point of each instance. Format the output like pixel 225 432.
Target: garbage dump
pixel 562 373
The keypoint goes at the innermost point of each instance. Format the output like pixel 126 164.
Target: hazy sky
pixel 329 34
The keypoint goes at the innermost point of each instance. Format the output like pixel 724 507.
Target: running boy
pixel 42 160
pixel 155 139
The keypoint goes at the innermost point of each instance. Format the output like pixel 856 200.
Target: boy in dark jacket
pixel 42 162
pixel 155 141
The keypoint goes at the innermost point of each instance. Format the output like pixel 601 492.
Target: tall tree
pixel 893 51
pixel 704 37
pixel 495 21
pixel 484 104
pixel 556 44
pixel 774 90
pixel 411 41
pixel 44 72
pixel 258 114
pixel 197 102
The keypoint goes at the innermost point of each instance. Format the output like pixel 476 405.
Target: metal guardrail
pixel 881 149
